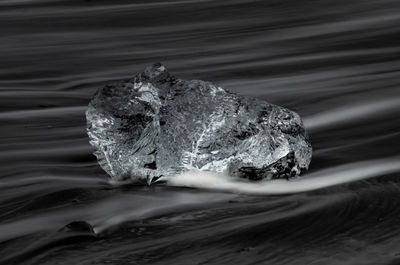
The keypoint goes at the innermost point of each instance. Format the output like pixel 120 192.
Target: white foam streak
pixel 317 180
pixel 350 113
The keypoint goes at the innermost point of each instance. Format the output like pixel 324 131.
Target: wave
pixel 351 113
pixel 313 181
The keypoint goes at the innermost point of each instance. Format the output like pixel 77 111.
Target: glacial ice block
pixel 156 125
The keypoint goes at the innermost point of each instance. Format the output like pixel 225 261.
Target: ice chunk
pixel 157 125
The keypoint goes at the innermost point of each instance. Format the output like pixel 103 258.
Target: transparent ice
pixel 156 125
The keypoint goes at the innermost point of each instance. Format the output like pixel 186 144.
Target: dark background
pixel 334 62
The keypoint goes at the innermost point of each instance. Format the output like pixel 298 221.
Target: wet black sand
pixel 335 62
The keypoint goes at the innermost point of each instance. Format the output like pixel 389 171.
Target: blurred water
pixel 334 62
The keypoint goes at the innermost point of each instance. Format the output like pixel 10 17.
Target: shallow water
pixel 337 63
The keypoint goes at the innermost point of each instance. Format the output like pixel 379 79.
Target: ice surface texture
pixel 156 125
